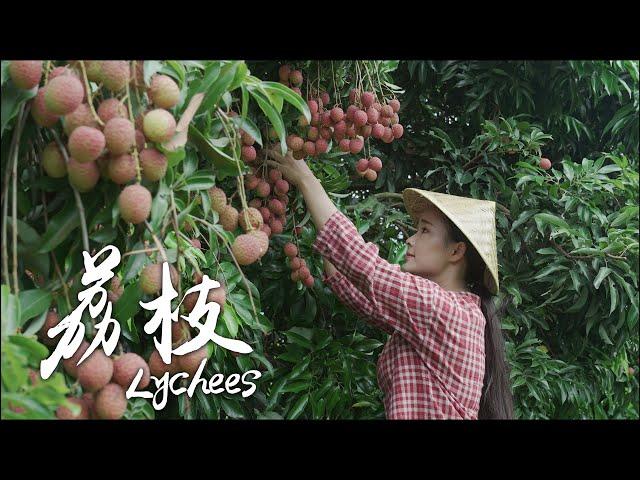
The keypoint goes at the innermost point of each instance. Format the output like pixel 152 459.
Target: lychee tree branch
pixel 14 195
pixel 163 253
pixel 136 252
pixel 79 205
pixel 135 145
pixel 89 98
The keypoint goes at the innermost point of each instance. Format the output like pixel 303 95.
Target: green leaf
pixel 231 322
pixel 298 407
pixel 37 351
pixel 290 96
pixel 274 117
pixel 12 98
pixel 128 304
pixel 33 303
pixel 199 181
pixel 221 84
pixel 60 228
pixel 224 164
pixel 248 126
pixel 602 274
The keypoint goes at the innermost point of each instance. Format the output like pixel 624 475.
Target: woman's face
pixel 428 253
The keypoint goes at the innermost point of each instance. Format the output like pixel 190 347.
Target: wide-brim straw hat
pixel 476 219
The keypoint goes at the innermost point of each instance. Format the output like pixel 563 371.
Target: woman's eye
pixel 424 230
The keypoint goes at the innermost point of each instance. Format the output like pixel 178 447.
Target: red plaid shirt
pixel 432 367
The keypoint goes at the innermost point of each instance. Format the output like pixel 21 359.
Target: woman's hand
pixel 294 171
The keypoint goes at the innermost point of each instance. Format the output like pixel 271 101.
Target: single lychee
pixel 151 278
pixel 81 116
pixel 263 241
pixel 290 250
pixel 397 130
pixel 313 106
pixel 276 226
pixel 395 119
pixel 95 372
pixel 263 189
pixel 274 175
pixel 255 202
pixel 276 206
pixel 25 74
pixel 112 108
pixel 246 249
pixel 51 321
pixel 164 91
pixel 283 73
pixel 64 413
pixel 159 125
pixel 367 99
pixel 377 131
pixel 126 367
pixel 251 182
pixel 354 93
pixel 218 198
pixel 229 218
pixel 325 133
pixel 158 368
pixel 324 96
pixel 70 364
pixel 110 402
pixel 247 139
pixel 41 115
pixel 315 119
pixel 372 116
pixel 296 78
pixel 308 281
pixel 254 216
pixel 115 74
pixel 321 146
pixel 387 111
pixel 120 135
pixel 356 145
pixel 115 290
pixel 266 229
pixel 303 272
pixel 360 118
pixel 370 175
pixel 86 144
pixel 122 169
pixel 266 214
pixel 295 263
pixel 340 128
pixel 153 164
pixel 135 204
pixel 83 176
pixel 375 164
pixel 325 119
pixel 282 186
pixel 362 165
pixel 313 133
pixel 345 145
pixel 248 153
pixel 94 70
pixel 63 94
pixel 395 105
pixel 53 162
pixel 190 362
pixel 337 114
pixel 545 163
pixel 295 143
pixel 309 148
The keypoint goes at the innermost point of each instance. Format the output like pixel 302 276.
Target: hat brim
pixel 416 200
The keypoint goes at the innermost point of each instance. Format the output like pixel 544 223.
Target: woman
pixel 445 358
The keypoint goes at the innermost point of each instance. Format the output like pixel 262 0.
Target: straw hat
pixel 476 219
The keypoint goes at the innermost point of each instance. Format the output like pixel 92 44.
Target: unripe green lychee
pixel 158 368
pixel 64 413
pixel 41 115
pixel 229 218
pixel 153 164
pixel 53 162
pixel 164 92
pixel 71 364
pixel 83 176
pixel 151 278
pixel 112 108
pixel 63 95
pixel 122 169
pixel 159 125
pixel 110 402
pixel 86 144
pixel 135 204
pixel 125 369
pixel 246 248
pixel 95 372
pixel 120 135
pixel 255 219
pixel 115 74
pixel 190 362
pixel 94 70
pixel 81 116
pixel 25 74
pixel 218 198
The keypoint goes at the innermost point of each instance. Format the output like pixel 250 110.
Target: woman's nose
pixel 411 240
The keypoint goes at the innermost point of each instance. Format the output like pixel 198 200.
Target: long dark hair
pixel 496 401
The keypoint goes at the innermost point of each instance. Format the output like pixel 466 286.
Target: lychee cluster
pixel 104 382
pixel 270 198
pixel 101 139
pixel 369 168
pixel 299 270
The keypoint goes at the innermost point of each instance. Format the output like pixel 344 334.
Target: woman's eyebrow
pixel 426 221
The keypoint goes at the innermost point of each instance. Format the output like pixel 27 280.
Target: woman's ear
pixel 459 251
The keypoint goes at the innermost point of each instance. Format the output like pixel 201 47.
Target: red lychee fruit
pixel 375 164
pixel 25 74
pixel 134 203
pixel 63 95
